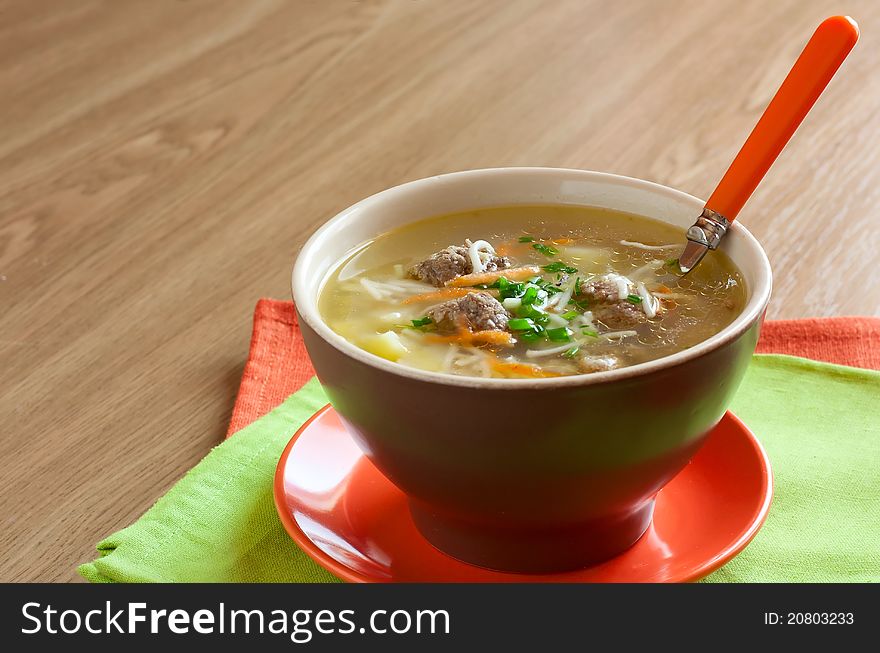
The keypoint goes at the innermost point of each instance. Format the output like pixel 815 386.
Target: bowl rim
pixel 755 306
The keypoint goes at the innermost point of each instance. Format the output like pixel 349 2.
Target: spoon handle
pixel 822 56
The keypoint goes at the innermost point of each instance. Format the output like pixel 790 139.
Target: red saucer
pixel 356 524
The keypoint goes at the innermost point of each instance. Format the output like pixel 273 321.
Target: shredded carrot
pixel 480 278
pixel 493 338
pixel 437 295
pixel 520 369
pixel 467 337
pixel 562 241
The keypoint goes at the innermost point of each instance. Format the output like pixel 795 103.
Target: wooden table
pixel 161 162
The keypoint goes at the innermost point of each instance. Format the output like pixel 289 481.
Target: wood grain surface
pixel 161 162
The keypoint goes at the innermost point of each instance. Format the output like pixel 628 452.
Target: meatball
pixel 452 262
pixel 601 291
pixel 608 308
pixel 477 311
pixel 620 315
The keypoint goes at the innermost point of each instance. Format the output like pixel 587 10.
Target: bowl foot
pixel 532 550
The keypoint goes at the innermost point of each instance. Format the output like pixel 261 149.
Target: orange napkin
pixel 278 365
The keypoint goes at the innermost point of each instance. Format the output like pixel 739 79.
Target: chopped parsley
pixel 546 286
pixel 422 322
pixel 559 266
pixel 546 250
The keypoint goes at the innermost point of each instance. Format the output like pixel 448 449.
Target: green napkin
pixel 820 426
pixel 819 423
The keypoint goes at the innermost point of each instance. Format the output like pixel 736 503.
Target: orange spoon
pixel 822 56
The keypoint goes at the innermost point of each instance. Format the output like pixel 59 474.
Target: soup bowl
pixel 532 475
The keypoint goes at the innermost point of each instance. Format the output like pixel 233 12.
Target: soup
pixel 529 292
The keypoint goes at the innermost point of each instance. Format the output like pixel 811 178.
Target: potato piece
pixel 589 260
pixel 387 345
pixel 426 356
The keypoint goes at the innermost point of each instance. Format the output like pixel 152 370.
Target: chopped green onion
pixel 634 299
pixel 546 250
pixel 583 304
pixel 559 266
pixel 570 315
pixel 570 353
pixel 672 262
pixel 508 288
pixel 562 334
pixel 546 286
pixel 533 313
pixel 530 336
pixel 526 239
pixel 577 286
pixel 422 321
pixel 589 332
pixel 513 290
pixel 520 324
pixel 530 295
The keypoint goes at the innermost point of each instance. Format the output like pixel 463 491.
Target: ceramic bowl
pixel 533 475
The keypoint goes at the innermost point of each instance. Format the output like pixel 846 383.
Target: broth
pixel 568 290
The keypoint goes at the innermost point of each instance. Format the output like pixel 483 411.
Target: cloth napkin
pixel 819 422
